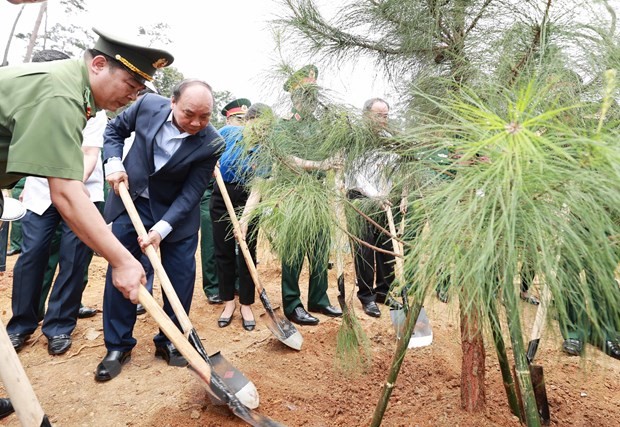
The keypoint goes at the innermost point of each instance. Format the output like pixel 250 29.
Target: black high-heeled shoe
pixel 248 325
pixel 222 322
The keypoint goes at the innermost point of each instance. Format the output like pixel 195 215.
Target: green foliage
pixel 220 99
pixel 165 80
pixel 353 354
pixel 549 194
pixel 511 151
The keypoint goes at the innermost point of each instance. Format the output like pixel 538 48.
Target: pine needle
pixel 353 354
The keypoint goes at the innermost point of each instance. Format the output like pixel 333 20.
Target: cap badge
pixel 160 63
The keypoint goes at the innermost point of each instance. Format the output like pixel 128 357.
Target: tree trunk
pixel 473 398
pixel 5 61
pixel 35 32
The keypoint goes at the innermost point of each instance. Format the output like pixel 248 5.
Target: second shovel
pixel 235 381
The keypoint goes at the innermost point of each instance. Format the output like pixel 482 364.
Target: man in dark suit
pixel 166 170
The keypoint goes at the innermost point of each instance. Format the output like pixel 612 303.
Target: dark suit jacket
pixel 174 190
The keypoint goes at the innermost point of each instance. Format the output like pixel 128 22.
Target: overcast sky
pixel 227 43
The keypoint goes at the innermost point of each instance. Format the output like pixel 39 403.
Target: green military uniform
pixel 318 255
pixel 50 101
pixel 578 325
pixel 210 284
pixel 301 127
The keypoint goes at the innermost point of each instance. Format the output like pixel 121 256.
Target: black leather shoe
pixel 302 317
pixel 6 408
pixel 329 310
pixel 18 340
pixel 529 298
pixel 442 296
pixel 572 346
pixel 170 354
pixel 214 299
pixel 58 344
pixel 14 252
pixel 372 309
pixel 111 365
pixel 612 348
pixel 86 312
pixel 140 310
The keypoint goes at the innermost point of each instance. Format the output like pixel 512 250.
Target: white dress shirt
pixel 167 141
pixel 37 191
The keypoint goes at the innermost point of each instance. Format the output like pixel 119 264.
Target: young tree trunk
pixel 5 61
pixel 473 398
pixel 35 32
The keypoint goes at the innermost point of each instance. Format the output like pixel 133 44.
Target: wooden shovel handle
pixel 541 313
pixel 398 249
pixel 340 237
pixel 237 230
pixel 16 383
pixel 150 251
pixel 172 332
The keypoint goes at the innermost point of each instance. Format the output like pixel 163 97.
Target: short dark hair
pixel 256 110
pixel 48 55
pixel 372 101
pixel 180 87
pixel 114 64
pixel 91 53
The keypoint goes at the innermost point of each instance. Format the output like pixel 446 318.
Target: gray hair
pixel 180 87
pixel 372 101
pixel 256 110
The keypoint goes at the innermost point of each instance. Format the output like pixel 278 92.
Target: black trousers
pixel 224 244
pixel 374 270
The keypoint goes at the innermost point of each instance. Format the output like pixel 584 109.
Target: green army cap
pixel 141 61
pixel 236 107
pixel 304 76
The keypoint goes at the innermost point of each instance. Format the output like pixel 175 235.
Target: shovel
pixel 12 374
pixel 422 333
pixel 282 329
pixel 16 382
pixel 536 371
pixel 341 242
pixel 235 381
pixel 217 388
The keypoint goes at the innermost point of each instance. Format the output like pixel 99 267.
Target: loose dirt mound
pixel 298 388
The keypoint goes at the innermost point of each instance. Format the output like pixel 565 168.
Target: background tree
pixel 71 39
pixel 165 79
pixel 440 53
pixel 220 99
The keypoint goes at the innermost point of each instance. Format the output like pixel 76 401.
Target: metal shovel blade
pixel 236 382
pixel 540 393
pixel 220 395
pixel 341 295
pixel 422 332
pixel 243 388
pixel 281 328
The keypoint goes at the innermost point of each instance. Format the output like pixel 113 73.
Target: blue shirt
pixel 235 166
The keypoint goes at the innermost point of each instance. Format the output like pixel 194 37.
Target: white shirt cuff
pixel 113 165
pixel 163 228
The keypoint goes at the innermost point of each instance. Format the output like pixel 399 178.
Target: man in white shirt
pixel 38 228
pixel 370 177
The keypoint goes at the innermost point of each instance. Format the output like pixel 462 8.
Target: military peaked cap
pixel 141 61
pixel 236 107
pixel 303 76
